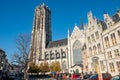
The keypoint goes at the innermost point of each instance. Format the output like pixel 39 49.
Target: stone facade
pixel 94 48
pixel 75 43
pixel 94 44
pixel 57 51
pixel 111 39
pixel 41 33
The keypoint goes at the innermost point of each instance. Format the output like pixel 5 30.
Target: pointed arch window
pixel 52 56
pixel 93 38
pixel 94 49
pixel 57 55
pixel 97 35
pixel 64 65
pixel 90 51
pixel 89 40
pixel 46 56
pixel 77 55
pixel 63 55
pixel 99 48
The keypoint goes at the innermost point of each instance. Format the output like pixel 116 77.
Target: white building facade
pixel 57 51
pixel 99 41
pixel 111 39
pixel 75 43
pixel 95 49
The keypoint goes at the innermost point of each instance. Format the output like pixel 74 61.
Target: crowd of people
pixel 68 76
pixel 79 76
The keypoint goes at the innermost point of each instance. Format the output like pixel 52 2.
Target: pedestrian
pixel 81 76
pixel 57 75
pixel 67 77
pixel 64 76
pixel 60 77
pixel 91 73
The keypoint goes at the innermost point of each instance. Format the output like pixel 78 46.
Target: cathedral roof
pixel 57 43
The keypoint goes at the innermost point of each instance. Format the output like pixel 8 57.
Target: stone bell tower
pixel 41 32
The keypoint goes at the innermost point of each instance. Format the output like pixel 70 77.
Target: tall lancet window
pixel 77 55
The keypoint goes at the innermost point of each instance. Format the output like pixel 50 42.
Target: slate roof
pixel 104 26
pixel 57 43
pixel 116 17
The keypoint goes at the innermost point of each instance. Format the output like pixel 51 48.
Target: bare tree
pixel 23 49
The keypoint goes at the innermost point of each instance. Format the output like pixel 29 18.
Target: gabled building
pixel 95 48
pixel 57 51
pixel 75 44
pixel 111 42
pixel 66 51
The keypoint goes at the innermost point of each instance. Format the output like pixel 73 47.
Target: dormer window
pixel 109 24
pixel 63 55
pixel 52 56
pixel 106 20
pixel 57 55
pixel 47 56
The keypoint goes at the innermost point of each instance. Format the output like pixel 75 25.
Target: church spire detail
pixel 81 23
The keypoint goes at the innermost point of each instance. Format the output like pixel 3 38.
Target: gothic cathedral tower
pixel 41 33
